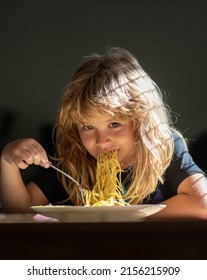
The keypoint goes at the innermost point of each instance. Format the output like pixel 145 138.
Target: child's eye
pixel 87 127
pixel 114 124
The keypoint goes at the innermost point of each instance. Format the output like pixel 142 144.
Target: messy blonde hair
pixel 115 83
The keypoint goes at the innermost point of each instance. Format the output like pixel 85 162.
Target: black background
pixel 42 43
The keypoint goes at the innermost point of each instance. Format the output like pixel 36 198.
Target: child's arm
pixel 190 201
pixel 14 195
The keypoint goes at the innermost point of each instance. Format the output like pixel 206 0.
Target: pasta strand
pixel 108 188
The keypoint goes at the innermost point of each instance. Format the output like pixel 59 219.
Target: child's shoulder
pixel 180 144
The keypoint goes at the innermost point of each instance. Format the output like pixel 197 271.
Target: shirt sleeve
pixel 182 164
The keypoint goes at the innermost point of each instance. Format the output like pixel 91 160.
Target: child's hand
pixel 24 152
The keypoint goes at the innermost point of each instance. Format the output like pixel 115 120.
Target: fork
pixel 81 189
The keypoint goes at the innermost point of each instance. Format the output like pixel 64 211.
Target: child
pixel 109 104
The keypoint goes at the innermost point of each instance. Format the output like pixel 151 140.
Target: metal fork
pixel 81 189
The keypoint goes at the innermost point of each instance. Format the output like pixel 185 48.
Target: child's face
pixel 103 133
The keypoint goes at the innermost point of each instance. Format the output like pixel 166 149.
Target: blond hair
pixel 115 83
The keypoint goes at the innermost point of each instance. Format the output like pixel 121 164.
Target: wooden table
pixel 23 236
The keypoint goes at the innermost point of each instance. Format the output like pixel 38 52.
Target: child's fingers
pixel 45 163
pixel 26 152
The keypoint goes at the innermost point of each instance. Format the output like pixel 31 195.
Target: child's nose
pixel 102 139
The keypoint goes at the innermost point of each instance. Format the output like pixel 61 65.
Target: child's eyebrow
pixel 85 121
pixel 115 120
pixel 112 120
pixel 91 121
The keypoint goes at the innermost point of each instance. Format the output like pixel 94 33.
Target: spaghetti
pixel 108 188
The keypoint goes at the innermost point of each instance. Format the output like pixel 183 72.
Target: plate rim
pixel 93 209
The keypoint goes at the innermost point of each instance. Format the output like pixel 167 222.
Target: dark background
pixel 42 43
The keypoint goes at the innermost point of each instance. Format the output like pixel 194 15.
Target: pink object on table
pixel 43 219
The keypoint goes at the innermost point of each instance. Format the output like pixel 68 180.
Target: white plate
pixel 98 213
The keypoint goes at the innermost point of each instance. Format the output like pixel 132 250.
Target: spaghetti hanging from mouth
pixel 108 188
